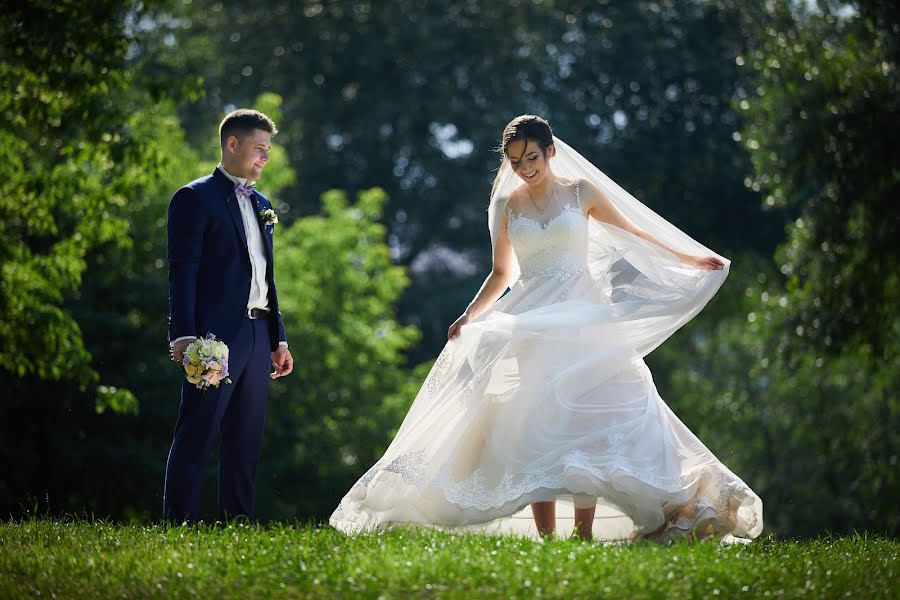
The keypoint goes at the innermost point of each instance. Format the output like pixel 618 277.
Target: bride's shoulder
pixel 516 197
pixel 586 189
pixel 575 187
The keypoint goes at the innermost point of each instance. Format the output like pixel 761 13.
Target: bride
pixel 542 396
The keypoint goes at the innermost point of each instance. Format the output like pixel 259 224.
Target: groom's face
pixel 250 154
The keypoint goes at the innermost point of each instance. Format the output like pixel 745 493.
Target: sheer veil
pixel 649 292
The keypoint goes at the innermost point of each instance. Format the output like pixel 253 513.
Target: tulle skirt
pixel 545 397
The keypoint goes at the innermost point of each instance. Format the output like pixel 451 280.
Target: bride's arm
pixel 494 285
pixel 600 208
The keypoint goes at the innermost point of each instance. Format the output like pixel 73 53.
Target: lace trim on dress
pixel 561 270
pixel 438 371
pixel 516 217
pixel 550 260
pixel 712 509
pixel 568 208
pixel 409 466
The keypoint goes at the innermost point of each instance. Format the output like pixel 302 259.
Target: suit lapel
pixel 231 201
pixel 236 217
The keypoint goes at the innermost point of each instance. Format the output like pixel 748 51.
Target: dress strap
pixel 578 193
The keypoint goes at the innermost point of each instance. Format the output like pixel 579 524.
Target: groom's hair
pixel 242 121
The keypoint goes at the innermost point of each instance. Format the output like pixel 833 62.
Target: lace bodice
pixel 557 247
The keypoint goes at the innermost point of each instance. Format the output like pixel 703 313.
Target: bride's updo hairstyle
pixel 524 127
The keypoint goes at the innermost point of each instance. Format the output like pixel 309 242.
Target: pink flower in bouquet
pixel 212 377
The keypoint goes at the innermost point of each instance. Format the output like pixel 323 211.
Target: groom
pixel 221 282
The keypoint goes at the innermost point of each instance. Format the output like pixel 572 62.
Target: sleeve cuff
pixel 184 337
pixel 283 344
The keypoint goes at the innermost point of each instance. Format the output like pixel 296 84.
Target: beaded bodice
pixel 557 247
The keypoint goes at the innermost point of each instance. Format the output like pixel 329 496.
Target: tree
pixel 63 137
pixel 823 132
pixel 823 135
pixel 82 139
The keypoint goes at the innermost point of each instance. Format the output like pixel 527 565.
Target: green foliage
pixel 64 141
pixel 66 61
pixel 823 135
pixel 80 559
pixel 52 215
pixel 63 441
pixel 337 288
pixel 823 132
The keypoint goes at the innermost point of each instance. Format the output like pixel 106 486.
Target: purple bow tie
pixel 245 189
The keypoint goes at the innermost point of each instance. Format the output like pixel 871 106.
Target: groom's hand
pixel 282 361
pixel 178 349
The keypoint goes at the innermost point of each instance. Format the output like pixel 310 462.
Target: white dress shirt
pixel 259 287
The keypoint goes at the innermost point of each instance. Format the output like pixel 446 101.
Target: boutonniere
pixel 268 216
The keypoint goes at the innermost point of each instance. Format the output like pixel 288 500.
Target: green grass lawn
pixel 77 559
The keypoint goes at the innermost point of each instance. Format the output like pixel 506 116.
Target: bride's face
pixel 529 162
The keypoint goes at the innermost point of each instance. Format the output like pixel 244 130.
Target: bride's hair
pixel 523 127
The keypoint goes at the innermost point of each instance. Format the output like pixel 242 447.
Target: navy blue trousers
pixel 236 412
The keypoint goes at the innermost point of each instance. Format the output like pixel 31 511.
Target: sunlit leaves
pixel 824 139
pixel 68 153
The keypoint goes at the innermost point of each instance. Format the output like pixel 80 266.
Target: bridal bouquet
pixel 206 362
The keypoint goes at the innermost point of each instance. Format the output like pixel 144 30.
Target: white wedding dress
pixel 546 397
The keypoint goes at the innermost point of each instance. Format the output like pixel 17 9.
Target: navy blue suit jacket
pixel 209 265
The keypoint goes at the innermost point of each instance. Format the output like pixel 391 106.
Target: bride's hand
pixel 706 263
pixel 453 332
